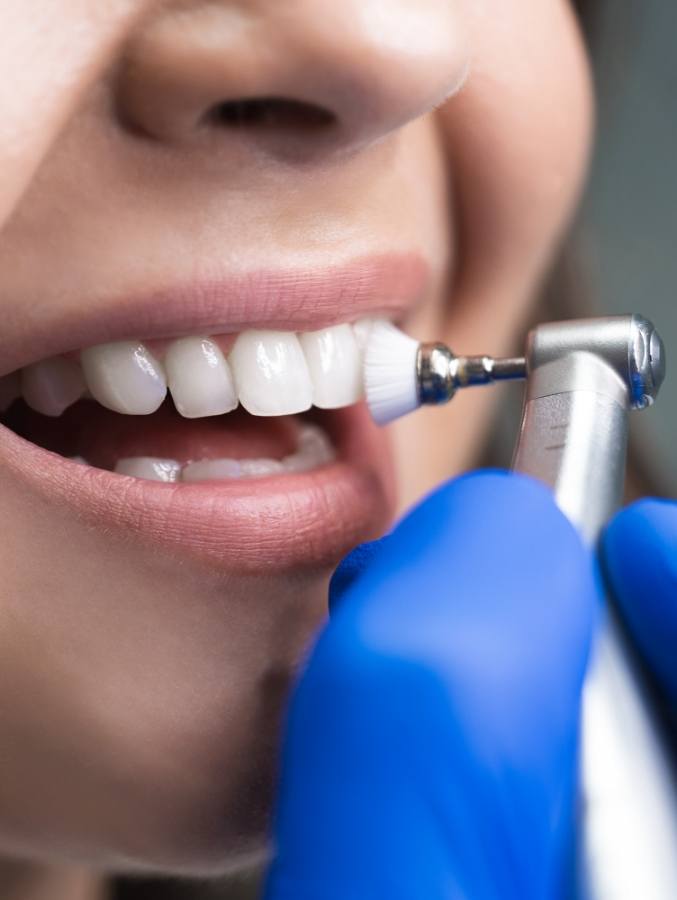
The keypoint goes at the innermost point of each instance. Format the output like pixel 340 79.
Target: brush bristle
pixel 390 379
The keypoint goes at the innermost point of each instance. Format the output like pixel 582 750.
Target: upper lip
pixel 285 299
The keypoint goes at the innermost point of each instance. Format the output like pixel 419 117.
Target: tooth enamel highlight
pixel 125 377
pixel 362 330
pixel 271 373
pixel 10 390
pixel 150 468
pixel 199 378
pixel 51 386
pixel 333 361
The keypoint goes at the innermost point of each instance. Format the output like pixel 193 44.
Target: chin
pixel 147 739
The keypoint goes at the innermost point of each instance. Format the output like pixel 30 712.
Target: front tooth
pixel 125 377
pixel 314 450
pixel 10 390
pixel 211 470
pixel 199 378
pixel 271 373
pixel 226 469
pixel 259 468
pixel 150 468
pixel 52 385
pixel 362 330
pixel 333 360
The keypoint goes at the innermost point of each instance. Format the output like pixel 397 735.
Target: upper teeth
pixel 52 385
pixel 200 378
pixel 270 373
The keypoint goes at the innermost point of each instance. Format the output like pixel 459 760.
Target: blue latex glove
pixel 431 746
pixel 640 556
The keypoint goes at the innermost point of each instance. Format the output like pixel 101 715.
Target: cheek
pixel 518 138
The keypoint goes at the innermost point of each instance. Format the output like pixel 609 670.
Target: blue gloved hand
pixel 431 745
pixel 640 556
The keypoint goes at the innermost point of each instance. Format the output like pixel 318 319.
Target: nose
pixel 293 76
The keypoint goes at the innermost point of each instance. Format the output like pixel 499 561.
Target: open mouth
pixel 253 450
pixel 199 408
pixel 244 444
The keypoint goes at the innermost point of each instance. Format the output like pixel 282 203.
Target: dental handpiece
pixel 583 378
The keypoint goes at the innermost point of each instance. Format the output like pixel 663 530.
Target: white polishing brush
pixel 401 374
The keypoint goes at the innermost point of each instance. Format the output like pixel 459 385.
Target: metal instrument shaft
pixel 440 373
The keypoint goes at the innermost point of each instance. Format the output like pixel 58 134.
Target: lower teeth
pixel 150 468
pixel 314 450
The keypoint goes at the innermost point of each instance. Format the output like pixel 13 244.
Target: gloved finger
pixel 351 568
pixel 431 747
pixel 640 557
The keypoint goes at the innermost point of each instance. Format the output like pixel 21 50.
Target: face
pixel 210 197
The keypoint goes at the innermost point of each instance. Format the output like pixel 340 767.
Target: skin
pixel 120 665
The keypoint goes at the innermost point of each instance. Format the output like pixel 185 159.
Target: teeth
pixel 211 469
pixel 271 373
pixel 259 468
pixel 199 378
pixel 314 450
pixel 362 330
pixel 124 377
pixel 51 386
pixel 150 468
pixel 333 360
pixel 10 390
pixel 225 469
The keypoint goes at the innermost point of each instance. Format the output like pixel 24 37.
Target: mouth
pixel 250 448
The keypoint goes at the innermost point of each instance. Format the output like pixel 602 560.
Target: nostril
pixel 270 113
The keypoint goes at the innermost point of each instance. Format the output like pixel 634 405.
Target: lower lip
pixel 267 524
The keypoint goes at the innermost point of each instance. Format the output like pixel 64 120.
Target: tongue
pixel 103 437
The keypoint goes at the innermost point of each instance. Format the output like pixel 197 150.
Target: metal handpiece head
pixel 628 348
pixel 646 363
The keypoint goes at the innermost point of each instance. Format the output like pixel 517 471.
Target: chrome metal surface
pixel 646 363
pixel 440 373
pixel 477 370
pixel 434 373
pixel 629 345
pixel 575 439
pixel 509 369
pixel 584 376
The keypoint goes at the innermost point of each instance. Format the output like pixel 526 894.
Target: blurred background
pixel 627 235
